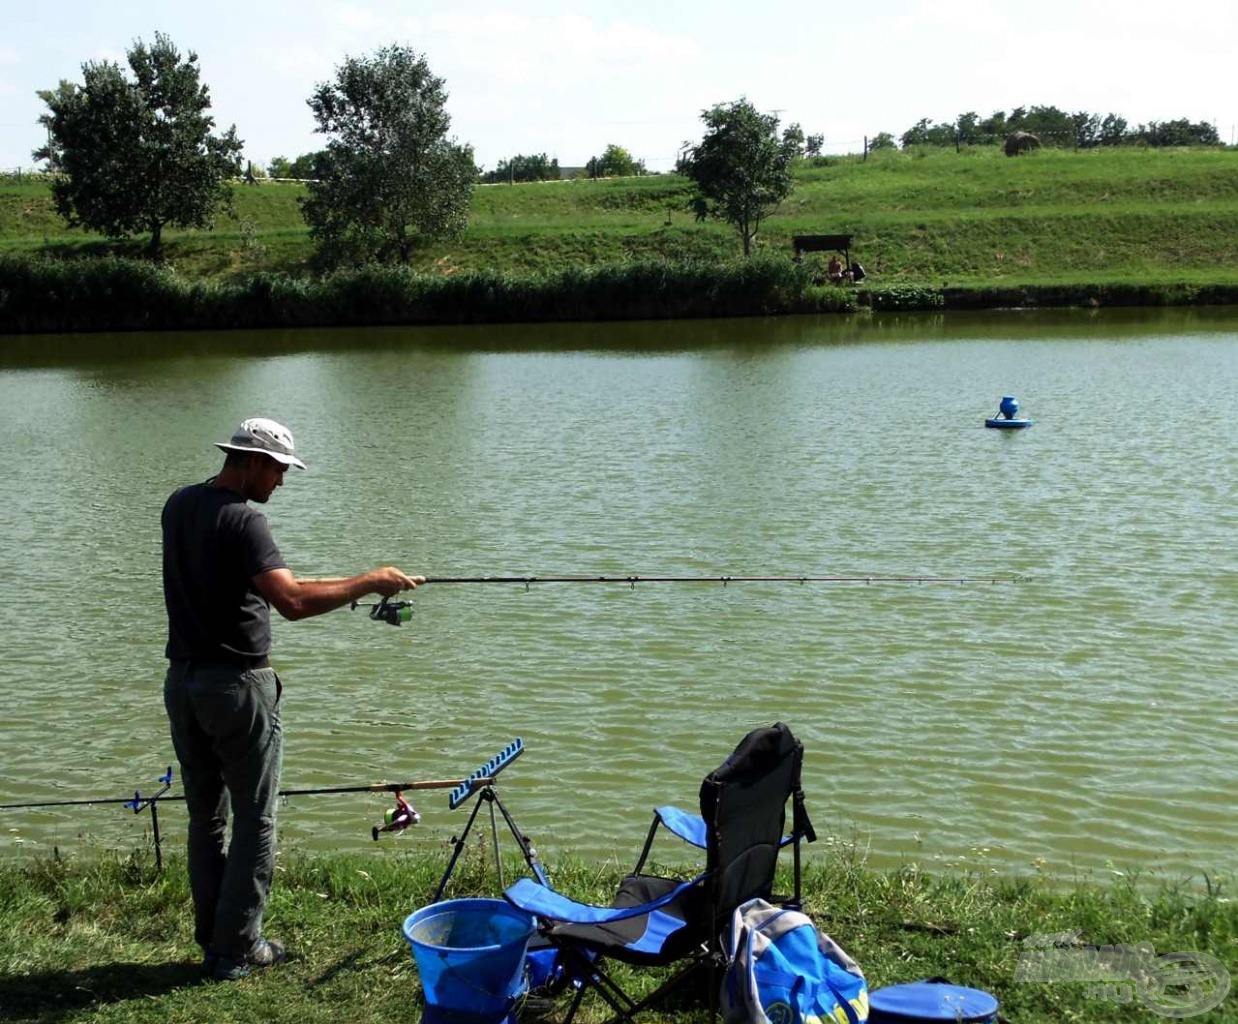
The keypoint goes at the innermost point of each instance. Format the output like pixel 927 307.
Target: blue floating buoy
pixel 1008 417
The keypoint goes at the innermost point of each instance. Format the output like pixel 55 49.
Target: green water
pixel 1084 715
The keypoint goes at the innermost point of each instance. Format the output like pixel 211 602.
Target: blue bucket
pixel 931 1002
pixel 470 955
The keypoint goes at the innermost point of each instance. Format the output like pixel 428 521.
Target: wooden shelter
pixel 823 243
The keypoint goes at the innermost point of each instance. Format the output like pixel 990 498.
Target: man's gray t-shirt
pixel 213 544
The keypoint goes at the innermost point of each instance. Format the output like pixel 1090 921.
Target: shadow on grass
pixel 51 995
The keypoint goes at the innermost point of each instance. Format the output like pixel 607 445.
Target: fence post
pixel 865 148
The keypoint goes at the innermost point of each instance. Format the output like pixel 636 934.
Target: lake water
pixel 1078 720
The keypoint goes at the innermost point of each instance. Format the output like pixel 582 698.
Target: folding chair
pixel 655 921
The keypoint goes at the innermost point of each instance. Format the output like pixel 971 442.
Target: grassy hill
pixel 1120 216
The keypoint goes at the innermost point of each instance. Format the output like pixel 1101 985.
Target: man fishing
pixel 222 572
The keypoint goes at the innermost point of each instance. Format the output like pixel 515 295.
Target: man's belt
pixel 228 660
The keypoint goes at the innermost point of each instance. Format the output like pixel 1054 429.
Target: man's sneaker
pixel 267 953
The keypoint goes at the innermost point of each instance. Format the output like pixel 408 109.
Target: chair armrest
pixel 689 827
pixel 541 901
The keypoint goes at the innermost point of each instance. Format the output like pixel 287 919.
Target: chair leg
pixel 675 981
pixel 588 974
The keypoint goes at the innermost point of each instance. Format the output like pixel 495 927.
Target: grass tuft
pixel 105 939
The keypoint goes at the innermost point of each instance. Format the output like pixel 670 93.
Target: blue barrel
pixel 470 955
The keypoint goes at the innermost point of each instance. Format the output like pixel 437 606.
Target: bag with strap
pixel 783 971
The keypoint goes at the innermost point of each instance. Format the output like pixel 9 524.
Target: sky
pixel 568 79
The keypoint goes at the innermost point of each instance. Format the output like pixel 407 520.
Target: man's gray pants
pixel 229 742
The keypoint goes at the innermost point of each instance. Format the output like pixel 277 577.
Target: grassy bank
pixel 119 294
pixel 1113 215
pixel 933 228
pixel 105 939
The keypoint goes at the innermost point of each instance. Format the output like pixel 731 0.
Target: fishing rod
pixel 376 787
pixel 724 580
pixel 396 819
pixel 396 612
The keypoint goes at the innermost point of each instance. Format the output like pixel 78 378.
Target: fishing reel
pixel 397 818
pixel 391 612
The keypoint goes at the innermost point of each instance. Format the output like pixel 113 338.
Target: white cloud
pixel 303 61
pixel 507 47
pixel 974 17
pixel 546 75
pixel 351 17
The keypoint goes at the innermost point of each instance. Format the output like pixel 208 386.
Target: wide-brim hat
pixel 263 437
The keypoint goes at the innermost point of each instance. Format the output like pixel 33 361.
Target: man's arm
pixel 302 599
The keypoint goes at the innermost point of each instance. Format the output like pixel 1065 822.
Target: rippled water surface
pixel 1084 715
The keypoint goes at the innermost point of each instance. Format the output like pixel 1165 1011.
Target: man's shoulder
pixel 227 506
pixel 186 493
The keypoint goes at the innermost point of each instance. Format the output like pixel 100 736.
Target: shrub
pixel 905 298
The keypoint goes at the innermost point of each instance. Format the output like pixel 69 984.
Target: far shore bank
pixel 934 229
pixel 42 295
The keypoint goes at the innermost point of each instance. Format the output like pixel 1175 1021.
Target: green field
pixel 1113 216
pixel 105 939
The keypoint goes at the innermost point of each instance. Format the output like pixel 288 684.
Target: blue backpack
pixel 783 971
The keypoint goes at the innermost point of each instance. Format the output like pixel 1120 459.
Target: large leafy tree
pixel 741 168
pixel 389 179
pixel 615 162
pixel 137 155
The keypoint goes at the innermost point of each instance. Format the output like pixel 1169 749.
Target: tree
pixel 880 141
pixel 1179 133
pixel 813 145
pixel 925 133
pixel 995 127
pixel 793 139
pixel 524 168
pixel 137 156
pixel 1049 124
pixel 302 167
pixel 1086 128
pixel 1113 130
pixel 967 129
pixel 389 179
pixel 615 162
pixel 741 168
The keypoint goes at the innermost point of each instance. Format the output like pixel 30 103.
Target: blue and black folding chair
pixel 655 921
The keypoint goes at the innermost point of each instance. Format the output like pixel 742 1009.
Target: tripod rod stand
pixel 488 794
